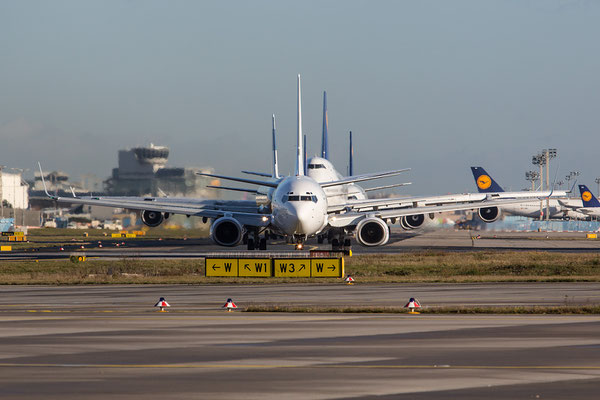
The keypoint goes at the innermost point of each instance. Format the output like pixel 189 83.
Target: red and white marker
pixel 412 304
pixel 162 303
pixel 349 280
pixel 229 305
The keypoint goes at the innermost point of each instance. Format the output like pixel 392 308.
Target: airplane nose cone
pixel 308 221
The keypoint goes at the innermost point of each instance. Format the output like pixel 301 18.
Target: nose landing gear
pixel 299 242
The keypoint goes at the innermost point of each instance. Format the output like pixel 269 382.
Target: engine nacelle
pixel 372 232
pixel 226 231
pixel 489 214
pixel 152 218
pixel 412 221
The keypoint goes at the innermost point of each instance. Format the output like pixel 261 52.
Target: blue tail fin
pixel 484 182
pixel 324 139
pixel 588 199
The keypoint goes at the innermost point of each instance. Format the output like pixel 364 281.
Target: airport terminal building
pixel 142 171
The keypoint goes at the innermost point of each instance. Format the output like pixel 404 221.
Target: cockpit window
pixel 293 197
pixel 315 166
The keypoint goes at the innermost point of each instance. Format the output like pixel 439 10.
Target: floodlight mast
pixel 548 154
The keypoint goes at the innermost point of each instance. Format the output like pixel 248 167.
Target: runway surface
pixel 100 341
pixel 400 241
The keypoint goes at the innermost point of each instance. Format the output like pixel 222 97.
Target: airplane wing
pixel 272 184
pixel 387 186
pixel 365 177
pixel 353 217
pixel 402 202
pixel 254 191
pixel 240 212
pixel 258 174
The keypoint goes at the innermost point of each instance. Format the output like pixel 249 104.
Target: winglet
pixel 324 138
pixel 44 182
pixel 300 151
pixel 351 158
pixel 275 164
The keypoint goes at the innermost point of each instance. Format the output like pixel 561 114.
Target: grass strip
pixel 537 310
pixel 410 267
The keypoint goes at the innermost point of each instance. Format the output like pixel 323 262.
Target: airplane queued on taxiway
pixel 560 206
pixel 298 207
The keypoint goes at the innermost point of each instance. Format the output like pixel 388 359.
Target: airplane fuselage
pixel 322 170
pixel 299 206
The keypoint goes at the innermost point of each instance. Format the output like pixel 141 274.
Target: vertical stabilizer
pixel 324 139
pixel 304 157
pixel 300 151
pixel 275 171
pixel 484 181
pixel 351 158
pixel 587 197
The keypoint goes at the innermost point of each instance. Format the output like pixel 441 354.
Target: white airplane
pixel 590 206
pixel 298 209
pixel 322 170
pixel 561 207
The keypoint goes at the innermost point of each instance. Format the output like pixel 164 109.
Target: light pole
pixel 540 159
pixel 549 154
pixel 531 176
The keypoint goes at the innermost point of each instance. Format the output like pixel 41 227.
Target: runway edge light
pixel 229 305
pixel 412 304
pixel 162 303
pixel 349 280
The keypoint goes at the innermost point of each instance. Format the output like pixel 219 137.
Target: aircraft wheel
pixel 320 239
pixel 347 243
pixel 250 244
pixel 263 244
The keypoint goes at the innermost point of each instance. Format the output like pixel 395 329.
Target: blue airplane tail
pixel 485 183
pixel 587 197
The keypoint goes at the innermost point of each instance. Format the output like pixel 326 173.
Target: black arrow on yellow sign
pixel 331 268
pixel 214 267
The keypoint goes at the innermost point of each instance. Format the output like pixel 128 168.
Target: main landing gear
pixel 254 241
pixel 339 241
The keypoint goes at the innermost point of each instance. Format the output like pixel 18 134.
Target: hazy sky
pixel 433 85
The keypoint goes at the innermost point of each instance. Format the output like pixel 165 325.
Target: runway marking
pixel 298 366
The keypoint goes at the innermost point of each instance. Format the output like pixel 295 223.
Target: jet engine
pixel 489 214
pixel 372 232
pixel 226 231
pixel 152 218
pixel 412 221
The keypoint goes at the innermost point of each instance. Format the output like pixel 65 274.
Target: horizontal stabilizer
pixel 365 177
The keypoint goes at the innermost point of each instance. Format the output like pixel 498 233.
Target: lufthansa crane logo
pixel 586 196
pixel 484 182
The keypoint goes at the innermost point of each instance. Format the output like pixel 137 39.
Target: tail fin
pixel 324 138
pixel 275 164
pixel 588 199
pixel 304 157
pixel 300 151
pixel 351 158
pixel 485 183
